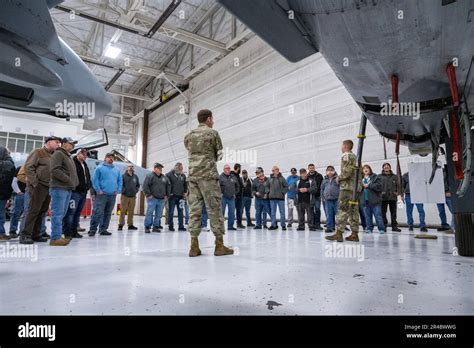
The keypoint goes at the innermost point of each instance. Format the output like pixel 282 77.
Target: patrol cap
pixel 52 137
pixel 259 170
pixel 158 165
pixel 68 140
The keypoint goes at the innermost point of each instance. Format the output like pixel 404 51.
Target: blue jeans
pixel 154 212
pixel 246 204
pixel 73 214
pixel 280 204
pixel 26 200
pixel 373 211
pixel 186 212
pixel 3 203
pixel 101 213
pixel 442 213
pixel 59 205
pixel 238 209
pixel 409 209
pixel 230 203
pixel 317 211
pixel 204 217
pixel 262 208
pixel 331 211
pixel 18 207
pixel 362 217
pixel 173 202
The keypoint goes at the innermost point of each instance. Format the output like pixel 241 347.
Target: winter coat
pixel 276 187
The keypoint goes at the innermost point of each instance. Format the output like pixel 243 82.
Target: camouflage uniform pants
pixel 208 193
pixel 347 214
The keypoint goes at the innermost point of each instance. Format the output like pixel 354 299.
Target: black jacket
pixel 156 186
pixel 7 172
pixel 389 186
pixel 84 179
pixel 179 186
pixel 406 183
pixel 237 177
pixel 229 185
pixel 374 191
pixel 318 179
pixel 247 187
pixel 131 184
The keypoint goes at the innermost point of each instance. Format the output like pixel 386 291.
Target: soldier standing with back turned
pixel 204 147
pixel 347 211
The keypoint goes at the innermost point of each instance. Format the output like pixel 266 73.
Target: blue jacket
pixel 107 179
pixel 291 180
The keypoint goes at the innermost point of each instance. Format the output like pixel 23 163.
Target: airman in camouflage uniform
pixel 204 147
pixel 347 211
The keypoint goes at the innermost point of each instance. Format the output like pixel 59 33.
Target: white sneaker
pixel 205 229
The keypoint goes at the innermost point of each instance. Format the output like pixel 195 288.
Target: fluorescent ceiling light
pixel 112 52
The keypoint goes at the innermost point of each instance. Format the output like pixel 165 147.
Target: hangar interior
pixel 268 111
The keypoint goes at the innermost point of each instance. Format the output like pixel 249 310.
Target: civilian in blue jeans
pixel 371 200
pixel 330 194
pixel 262 204
pixel 290 197
pixel 247 197
pixel 229 187
pixel 409 205
pixel 107 183
pixel 78 195
pixel 18 206
pixel 156 188
pixel 63 181
pixel 276 188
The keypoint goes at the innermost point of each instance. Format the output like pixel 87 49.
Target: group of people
pixel 51 176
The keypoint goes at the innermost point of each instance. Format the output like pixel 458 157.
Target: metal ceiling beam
pixel 114 79
pixel 164 16
pixel 144 70
pixel 168 31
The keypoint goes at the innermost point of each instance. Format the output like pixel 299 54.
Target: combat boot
pixel 336 237
pixel 221 249
pixel 194 251
pixel 354 237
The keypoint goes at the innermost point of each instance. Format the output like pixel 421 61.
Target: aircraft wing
pixel 271 22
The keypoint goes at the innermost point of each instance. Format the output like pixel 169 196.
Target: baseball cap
pixel 293 170
pixel 259 170
pixel 157 165
pixel 68 140
pixel 82 149
pixel 109 154
pixel 52 137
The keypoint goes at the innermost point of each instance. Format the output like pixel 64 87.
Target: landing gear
pixel 460 152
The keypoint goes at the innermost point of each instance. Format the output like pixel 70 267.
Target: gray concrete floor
pixel 137 273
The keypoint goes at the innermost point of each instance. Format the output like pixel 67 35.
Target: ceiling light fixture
pixel 112 52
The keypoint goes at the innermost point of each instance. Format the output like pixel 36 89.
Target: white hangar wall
pixel 270 112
